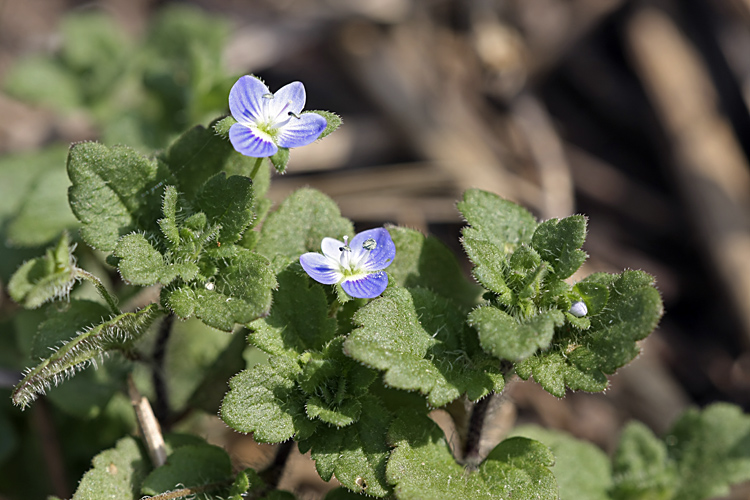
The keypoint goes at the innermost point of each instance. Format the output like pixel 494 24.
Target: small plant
pixel 353 347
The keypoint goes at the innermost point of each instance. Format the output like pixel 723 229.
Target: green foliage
pixel 191 467
pixel 357 454
pixel 45 278
pixel 579 359
pixel 299 320
pixel 422 343
pixel 114 192
pixel 422 467
pixel 504 337
pixel 116 473
pixel 427 263
pixel 641 467
pixel 299 225
pixel 83 350
pixel 582 470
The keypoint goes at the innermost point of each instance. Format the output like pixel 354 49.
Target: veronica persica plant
pixel 356 266
pixel 267 121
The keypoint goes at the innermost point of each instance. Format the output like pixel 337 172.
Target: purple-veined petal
pixel 379 257
pixel 288 99
pixel 301 131
pixel 367 287
pixel 249 142
pixel 320 268
pixel 246 99
pixel 332 248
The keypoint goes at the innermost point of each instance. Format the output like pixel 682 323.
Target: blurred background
pixel 634 113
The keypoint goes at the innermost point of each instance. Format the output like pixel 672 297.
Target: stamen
pixel 292 113
pixel 346 246
pixel 369 244
pixel 267 96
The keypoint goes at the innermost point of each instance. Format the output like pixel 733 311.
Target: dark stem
pixel 474 433
pixel 161 404
pixel 272 474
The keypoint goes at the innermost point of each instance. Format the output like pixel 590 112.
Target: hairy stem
pixel 111 301
pixel 161 404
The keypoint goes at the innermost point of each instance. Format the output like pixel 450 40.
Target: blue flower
pixel 357 266
pixel 267 122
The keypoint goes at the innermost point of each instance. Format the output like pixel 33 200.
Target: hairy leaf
pixel 502 336
pixel 425 262
pixel 116 473
pixel 422 467
pixel 82 351
pixel 559 242
pixel 227 202
pixel 45 278
pixel 579 359
pixel 240 292
pixel 333 122
pixel 422 343
pixel 266 401
pixel 141 264
pixel 190 467
pixel 299 318
pixel 356 454
pixel 498 221
pixel 299 225
pixel 115 191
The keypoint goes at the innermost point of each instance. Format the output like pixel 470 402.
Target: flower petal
pixel 368 287
pixel 246 99
pixel 301 131
pixel 332 248
pixel 288 99
pixel 249 142
pixel 379 257
pixel 320 268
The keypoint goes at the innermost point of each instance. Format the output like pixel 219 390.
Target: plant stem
pixel 272 474
pixel 111 301
pixel 161 404
pixel 474 433
pixel 148 425
pixel 256 167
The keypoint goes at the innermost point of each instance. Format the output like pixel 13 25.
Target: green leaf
pixel 198 155
pixel 333 122
pixel 422 467
pixel 299 225
pixel 116 473
pixel 422 343
pixel 191 467
pixel 559 242
pixel 334 384
pixel 223 125
pixel 582 470
pixel 356 454
pixel 280 160
pixel 498 221
pixel 227 202
pixel 580 359
pixel 141 264
pixel 44 212
pixel 641 468
pixel 47 278
pixel 502 336
pixel 240 293
pixel 115 191
pixel 425 262
pixel 82 351
pixel 266 401
pixel 29 80
pixel 711 449
pixel 299 318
